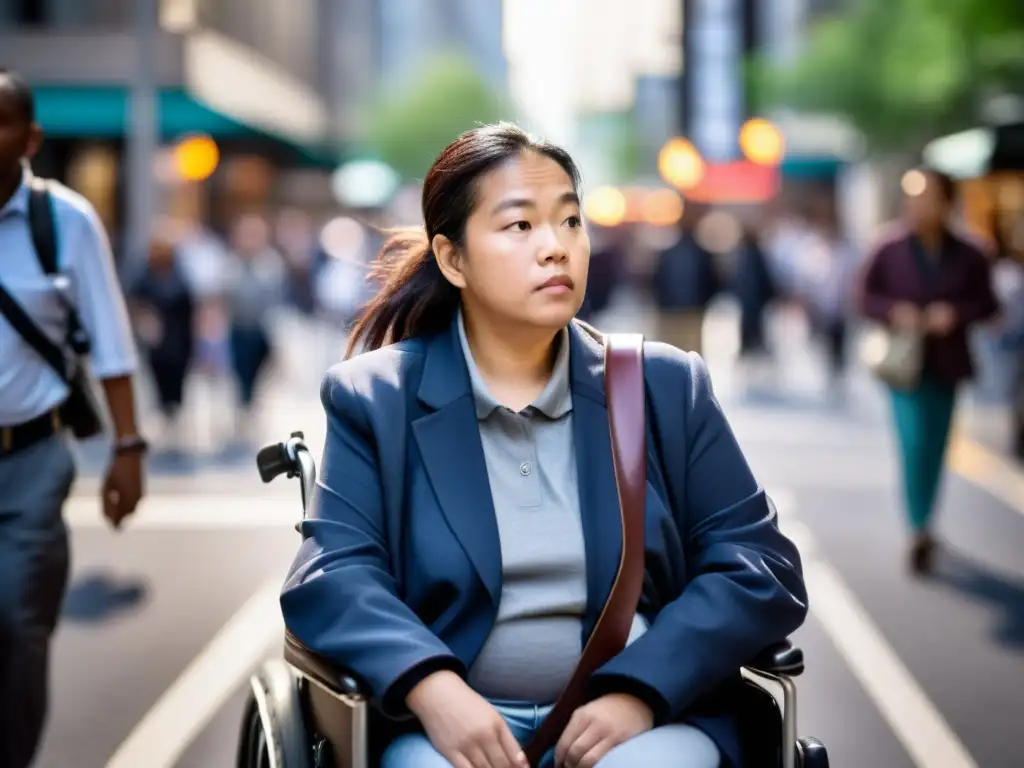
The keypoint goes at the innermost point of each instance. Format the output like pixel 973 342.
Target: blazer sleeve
pixel 979 301
pixel 745 589
pixel 873 300
pixel 340 598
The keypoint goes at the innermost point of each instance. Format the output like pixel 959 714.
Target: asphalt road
pixel 900 672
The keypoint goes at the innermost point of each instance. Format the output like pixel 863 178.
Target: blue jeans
pixel 669 746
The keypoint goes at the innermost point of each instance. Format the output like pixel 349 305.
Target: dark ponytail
pixel 415 298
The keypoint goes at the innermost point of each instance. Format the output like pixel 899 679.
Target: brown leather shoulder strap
pixel 624 392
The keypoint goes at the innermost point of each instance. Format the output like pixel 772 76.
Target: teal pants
pixel 923 418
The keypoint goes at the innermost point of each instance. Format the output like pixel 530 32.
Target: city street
pixel 165 620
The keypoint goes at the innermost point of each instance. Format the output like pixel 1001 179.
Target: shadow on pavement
pixel 1005 593
pixel 97 597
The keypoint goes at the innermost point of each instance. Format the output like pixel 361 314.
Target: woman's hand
pixel 906 316
pixel 940 318
pixel 600 725
pixel 462 725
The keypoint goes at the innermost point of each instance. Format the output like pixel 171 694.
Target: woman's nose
pixel 551 247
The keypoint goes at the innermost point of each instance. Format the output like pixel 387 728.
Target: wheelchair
pixel 305 712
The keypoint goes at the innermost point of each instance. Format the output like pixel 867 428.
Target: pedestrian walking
pixel 255 288
pixel 685 283
pixel 929 284
pixel 61 304
pixel 163 311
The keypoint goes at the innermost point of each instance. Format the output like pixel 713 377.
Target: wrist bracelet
pixel 130 444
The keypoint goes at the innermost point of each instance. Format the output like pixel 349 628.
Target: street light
pixel 680 164
pixel 913 183
pixel 761 142
pixel 662 207
pixel 196 158
pixel 605 206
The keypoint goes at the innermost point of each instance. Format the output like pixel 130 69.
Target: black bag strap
pixel 43 228
pixel 42 225
pixel 32 334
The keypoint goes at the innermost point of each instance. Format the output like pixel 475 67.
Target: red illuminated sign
pixel 736 182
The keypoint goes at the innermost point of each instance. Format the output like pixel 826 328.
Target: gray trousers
pixel 33 577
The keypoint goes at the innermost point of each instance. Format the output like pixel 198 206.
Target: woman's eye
pixel 519 226
pixel 574 221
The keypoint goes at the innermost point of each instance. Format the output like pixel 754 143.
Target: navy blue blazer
pixel 399 571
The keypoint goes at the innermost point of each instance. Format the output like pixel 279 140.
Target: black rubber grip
pixel 272 461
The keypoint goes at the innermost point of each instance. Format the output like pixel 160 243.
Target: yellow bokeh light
pixel 913 183
pixel 605 206
pixel 662 208
pixel 196 158
pixel 680 164
pixel 761 142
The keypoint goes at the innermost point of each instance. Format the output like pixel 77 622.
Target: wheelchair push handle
pixel 272 461
pixel 291 458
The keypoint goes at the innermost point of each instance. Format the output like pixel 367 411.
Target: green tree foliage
pixel 904 71
pixel 409 129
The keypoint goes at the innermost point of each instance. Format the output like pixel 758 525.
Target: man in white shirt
pixel 36 466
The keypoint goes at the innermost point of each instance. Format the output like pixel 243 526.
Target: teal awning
pixel 821 167
pixel 102 112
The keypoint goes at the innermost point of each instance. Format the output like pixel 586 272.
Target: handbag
pixel 627 427
pixel 80 411
pixel 895 356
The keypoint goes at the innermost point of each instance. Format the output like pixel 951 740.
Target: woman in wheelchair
pixel 465 533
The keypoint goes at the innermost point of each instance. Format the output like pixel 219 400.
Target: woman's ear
pixel 447 255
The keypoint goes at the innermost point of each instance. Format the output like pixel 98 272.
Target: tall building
pixel 717 35
pixel 411 31
pixel 349 52
pixel 251 74
pixel 588 72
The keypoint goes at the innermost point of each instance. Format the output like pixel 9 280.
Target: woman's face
pixel 250 236
pixel 928 207
pixel 526 253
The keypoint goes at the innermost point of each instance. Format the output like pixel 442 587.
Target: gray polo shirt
pixel 531 465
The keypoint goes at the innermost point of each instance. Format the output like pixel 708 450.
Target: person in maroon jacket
pixel 927 276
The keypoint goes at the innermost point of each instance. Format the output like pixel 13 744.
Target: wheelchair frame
pixel 275 729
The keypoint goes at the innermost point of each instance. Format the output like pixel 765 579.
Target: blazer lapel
pixel 449 441
pixel 599 501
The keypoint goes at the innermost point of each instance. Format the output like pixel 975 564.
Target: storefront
pixel 988 162
pixel 85 148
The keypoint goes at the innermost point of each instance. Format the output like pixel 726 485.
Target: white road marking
pixel 184 709
pixel 993 473
pixel 194 512
pixel 914 719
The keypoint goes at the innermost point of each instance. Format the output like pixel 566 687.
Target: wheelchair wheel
pixel 253 751
pixel 273 731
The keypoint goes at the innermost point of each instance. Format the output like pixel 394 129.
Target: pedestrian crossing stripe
pixel 189 512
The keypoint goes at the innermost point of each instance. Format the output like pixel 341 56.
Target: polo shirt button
pixel 524 469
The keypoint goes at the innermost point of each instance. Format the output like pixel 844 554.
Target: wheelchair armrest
pixel 335 680
pixel 779 659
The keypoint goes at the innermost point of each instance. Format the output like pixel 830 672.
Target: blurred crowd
pixel 206 307
pixel 210 307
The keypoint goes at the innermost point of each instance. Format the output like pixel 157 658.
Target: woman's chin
pixel 553 314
